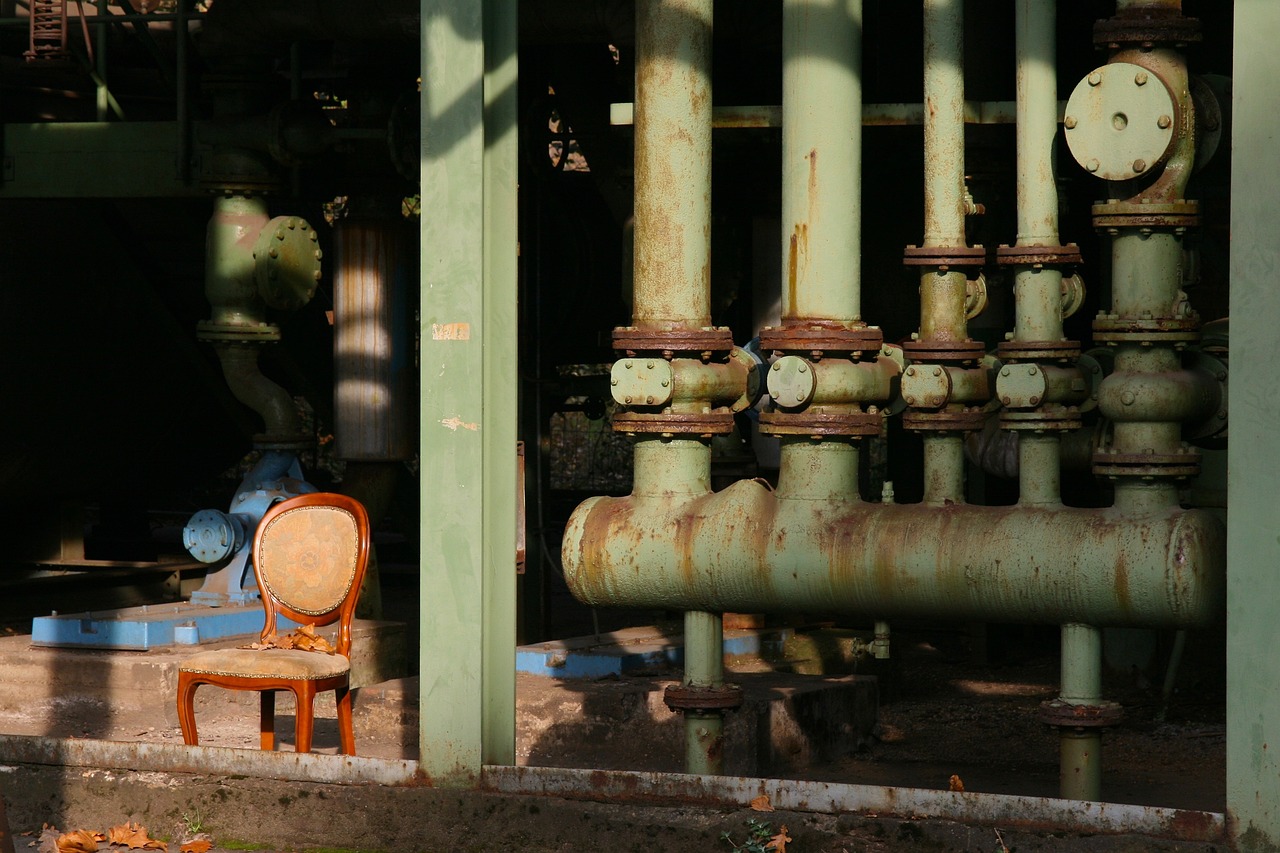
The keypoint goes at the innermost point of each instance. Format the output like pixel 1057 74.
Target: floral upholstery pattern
pixel 307 557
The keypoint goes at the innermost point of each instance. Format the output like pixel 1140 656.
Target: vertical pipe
pixel 672 287
pixel 942 290
pixel 821 159
pixel 1039 469
pixel 1081 749
pixel 1038 291
pixel 943 468
pixel 818 471
pixel 704 667
pixel 944 122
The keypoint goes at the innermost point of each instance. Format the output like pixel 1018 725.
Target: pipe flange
pixel 817 338
pixel 1056 712
pixel 1147 27
pixel 709 341
pixel 704 424
pixel 1147 465
pixel 1050 420
pixel 1114 214
pixel 1013 352
pixel 944 257
pixel 286 259
pixel 1112 329
pixel 1038 256
pixel 689 697
pixel 262 333
pixel 943 351
pixel 819 425
pixel 959 421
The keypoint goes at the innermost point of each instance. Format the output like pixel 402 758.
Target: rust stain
pixel 791 274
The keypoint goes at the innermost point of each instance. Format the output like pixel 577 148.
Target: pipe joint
pixel 686 385
pixel 795 383
pixel 1179 395
pixel 934 386
pixel 1027 386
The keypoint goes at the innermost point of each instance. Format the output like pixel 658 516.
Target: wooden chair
pixel 309 554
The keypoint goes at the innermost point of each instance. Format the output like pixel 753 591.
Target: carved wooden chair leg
pixel 187 708
pixel 304 693
pixel 268 719
pixel 346 732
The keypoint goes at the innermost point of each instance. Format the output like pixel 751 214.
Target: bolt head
pixel 1095 78
pixel 911 400
pixel 1093 165
pixel 1070 122
pixel 627 400
pixel 1140 78
pixel 1163 122
pixel 937 371
pixel 911 371
pixel 1139 165
pixel 627 365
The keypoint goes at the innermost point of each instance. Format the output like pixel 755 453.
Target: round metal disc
pixel 1120 121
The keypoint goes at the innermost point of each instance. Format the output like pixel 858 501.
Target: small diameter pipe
pixel 1081 749
pixel 1039 469
pixel 818 471
pixel 248 385
pixel 704 667
pixel 669 468
pixel 943 469
pixel 672 281
pixel 821 159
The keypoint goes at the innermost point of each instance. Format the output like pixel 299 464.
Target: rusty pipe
pixel 672 265
pixel 748 549
pixel 821 159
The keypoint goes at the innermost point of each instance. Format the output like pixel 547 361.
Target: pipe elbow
pixel 248 384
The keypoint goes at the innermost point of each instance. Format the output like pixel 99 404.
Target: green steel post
pixel 1080 772
pixel 1253 584
pixel 821 159
pixel 468 441
pixel 704 667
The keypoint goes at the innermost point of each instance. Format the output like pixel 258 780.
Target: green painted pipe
pixel 1039 469
pixel 229 283
pixel 821 159
pixel 944 125
pixel 1080 770
pixel 943 469
pixel 704 667
pixel 748 549
pixel 672 265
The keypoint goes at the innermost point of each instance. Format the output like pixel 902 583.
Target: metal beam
pixel 1253 585
pixel 468 388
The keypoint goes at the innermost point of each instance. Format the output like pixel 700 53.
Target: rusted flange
pixel 632 341
pixel 1178 465
pixel 943 351
pixel 687 697
pixel 944 257
pixel 961 421
pixel 1112 330
pixel 1038 256
pixel 817 338
pixel 1113 214
pixel 705 424
pixel 821 424
pixel 1056 712
pixel 1149 27
pixel 1050 420
pixel 1012 352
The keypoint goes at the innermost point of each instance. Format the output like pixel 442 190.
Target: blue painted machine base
pixel 633 650
pixel 150 626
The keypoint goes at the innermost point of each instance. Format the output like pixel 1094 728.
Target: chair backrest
pixel 310 554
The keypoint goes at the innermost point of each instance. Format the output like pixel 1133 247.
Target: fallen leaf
pixel 77 841
pixel 761 803
pixel 956 783
pixel 134 836
pixel 304 639
pixel 197 846
pixel 778 843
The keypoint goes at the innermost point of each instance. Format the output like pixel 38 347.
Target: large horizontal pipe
pixel 748 549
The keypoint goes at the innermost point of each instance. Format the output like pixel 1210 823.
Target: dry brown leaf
pixel 304 639
pixel 956 783
pixel 77 841
pixel 200 845
pixel 778 844
pixel 761 803
pixel 134 836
